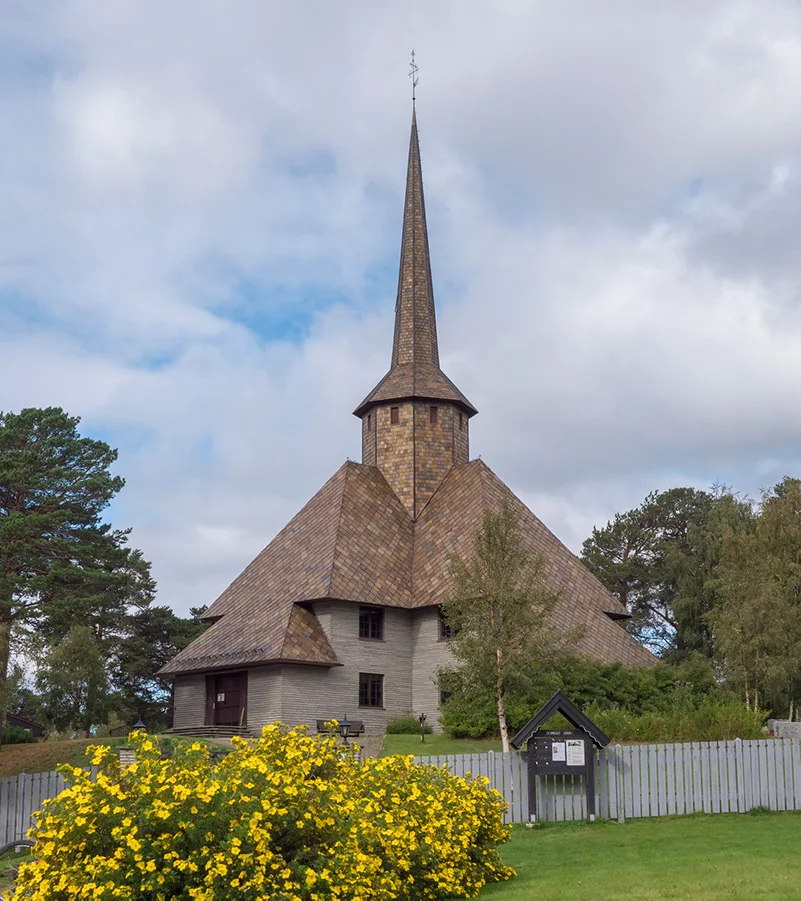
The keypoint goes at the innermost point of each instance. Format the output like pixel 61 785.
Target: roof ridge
pixel 349 464
pixel 605 591
pixel 346 466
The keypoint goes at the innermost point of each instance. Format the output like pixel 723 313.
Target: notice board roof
pixel 560 703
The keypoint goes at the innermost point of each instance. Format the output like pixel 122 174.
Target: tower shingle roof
pixel 414 371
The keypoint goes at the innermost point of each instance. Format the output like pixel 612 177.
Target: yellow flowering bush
pixel 286 817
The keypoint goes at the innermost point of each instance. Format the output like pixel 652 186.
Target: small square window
pixel 445 631
pixel 371 622
pixel 433 415
pixel 444 697
pixel 371 690
pixel 394 418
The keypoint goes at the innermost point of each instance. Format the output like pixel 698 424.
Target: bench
pixel 356 726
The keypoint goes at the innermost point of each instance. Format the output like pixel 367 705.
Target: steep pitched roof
pixel 449 523
pixel 352 540
pixel 414 371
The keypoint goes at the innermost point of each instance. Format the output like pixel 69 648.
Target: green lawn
pixel 703 858
pixel 8 860
pixel 437 744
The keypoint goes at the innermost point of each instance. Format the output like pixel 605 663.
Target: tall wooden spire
pixel 415 340
pixel 415 421
pixel 414 371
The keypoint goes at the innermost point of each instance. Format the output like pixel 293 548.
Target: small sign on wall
pixel 558 752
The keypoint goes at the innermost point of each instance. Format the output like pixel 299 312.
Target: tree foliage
pixel 54 485
pixel 499 618
pixel 757 624
pixel 659 560
pixel 72 592
pixel 710 573
pixel 73 683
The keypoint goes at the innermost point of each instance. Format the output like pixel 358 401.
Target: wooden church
pixel 339 614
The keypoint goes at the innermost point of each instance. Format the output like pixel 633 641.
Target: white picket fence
pixel 632 781
pixel 650 780
pixel 22 796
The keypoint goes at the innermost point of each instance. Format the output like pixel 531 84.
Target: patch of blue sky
pixel 280 312
pixel 20 310
pixel 22 64
pixel 22 313
pixel 513 202
pixel 695 186
pixel 316 163
pixel 134 439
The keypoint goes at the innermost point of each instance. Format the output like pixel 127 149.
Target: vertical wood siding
pixel 650 780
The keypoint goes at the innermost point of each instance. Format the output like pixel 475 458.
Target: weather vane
pixel 413 75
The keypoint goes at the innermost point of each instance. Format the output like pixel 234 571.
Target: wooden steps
pixel 213 732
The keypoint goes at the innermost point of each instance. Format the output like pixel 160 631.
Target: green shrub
pixel 660 703
pixel 287 816
pixel 707 720
pixel 406 725
pixel 16 735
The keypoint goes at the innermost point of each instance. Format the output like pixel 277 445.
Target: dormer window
pixel 394 417
pixel 433 415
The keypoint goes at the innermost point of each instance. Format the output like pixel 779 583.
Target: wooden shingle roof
pixel 414 371
pixel 354 541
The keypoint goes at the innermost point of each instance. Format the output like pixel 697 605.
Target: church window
pixel 394 418
pixel 461 422
pixel 433 415
pixel 371 690
pixel 371 622
pixel 369 422
pixel 445 631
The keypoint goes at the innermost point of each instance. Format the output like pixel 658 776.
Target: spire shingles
pixel 415 339
pixel 414 371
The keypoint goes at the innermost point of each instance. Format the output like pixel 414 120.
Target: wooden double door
pixel 227 699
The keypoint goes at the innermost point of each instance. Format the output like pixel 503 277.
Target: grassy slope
pixel 46 755
pixel 703 858
pixel 437 744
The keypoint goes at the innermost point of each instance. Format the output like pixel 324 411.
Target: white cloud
pixel 613 203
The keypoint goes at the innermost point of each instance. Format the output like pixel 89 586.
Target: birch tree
pixel 499 613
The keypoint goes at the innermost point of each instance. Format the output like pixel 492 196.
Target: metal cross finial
pixel 413 75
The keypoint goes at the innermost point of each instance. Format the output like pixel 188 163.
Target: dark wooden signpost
pixel 560 752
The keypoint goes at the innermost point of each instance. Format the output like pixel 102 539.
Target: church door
pixel 226 699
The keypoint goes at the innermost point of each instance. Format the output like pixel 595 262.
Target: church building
pixel 339 614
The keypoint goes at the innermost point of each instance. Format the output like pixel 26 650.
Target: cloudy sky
pixel 200 210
